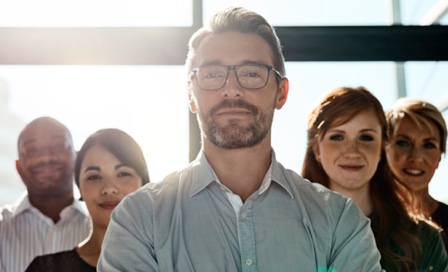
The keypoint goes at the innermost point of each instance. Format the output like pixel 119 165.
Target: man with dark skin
pixel 47 219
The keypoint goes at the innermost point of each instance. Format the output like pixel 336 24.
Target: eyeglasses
pixel 249 76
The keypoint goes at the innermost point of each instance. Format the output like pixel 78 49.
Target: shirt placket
pixel 247 238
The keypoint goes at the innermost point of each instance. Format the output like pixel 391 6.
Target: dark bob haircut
pixel 121 145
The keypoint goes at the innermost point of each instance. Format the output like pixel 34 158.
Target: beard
pixel 233 135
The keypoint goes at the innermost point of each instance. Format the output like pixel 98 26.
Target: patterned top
pixel 26 233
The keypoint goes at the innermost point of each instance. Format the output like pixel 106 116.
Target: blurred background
pixel 99 64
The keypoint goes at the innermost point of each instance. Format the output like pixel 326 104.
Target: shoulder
pixel 151 196
pixel 443 209
pixel 429 234
pixel 7 212
pixel 310 190
pixel 426 229
pixel 176 184
pixel 433 250
pixel 52 262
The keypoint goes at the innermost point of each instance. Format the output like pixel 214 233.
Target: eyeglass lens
pixel 249 76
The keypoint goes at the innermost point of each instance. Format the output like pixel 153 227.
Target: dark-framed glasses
pixel 249 76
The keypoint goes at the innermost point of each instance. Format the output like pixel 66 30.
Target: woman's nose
pixel 109 188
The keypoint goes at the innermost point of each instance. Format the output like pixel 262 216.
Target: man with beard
pixel 235 208
pixel 47 218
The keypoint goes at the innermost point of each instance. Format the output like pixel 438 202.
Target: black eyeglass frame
pixel 235 68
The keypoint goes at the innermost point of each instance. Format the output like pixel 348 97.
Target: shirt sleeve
pixel 128 244
pixel 354 247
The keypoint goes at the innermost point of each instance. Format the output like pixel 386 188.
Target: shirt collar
pixel 23 204
pixel 203 175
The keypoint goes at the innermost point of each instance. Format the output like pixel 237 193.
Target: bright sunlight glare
pixel 97 13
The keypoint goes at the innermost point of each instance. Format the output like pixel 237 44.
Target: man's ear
pixel 282 93
pixel 18 167
pixel 191 101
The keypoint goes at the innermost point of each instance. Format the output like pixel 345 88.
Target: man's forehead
pixel 233 48
pixel 37 132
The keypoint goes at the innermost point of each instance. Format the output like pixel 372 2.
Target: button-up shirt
pixel 26 233
pixel 187 223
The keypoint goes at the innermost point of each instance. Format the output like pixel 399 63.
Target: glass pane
pixel 413 11
pixel 427 80
pixel 311 13
pixel 135 99
pixel 437 187
pixel 96 13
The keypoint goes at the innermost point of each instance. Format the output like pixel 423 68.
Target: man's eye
pixel 59 147
pixel 214 75
pixel 31 151
pixel 252 74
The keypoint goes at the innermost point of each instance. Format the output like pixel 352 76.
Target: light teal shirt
pixel 186 223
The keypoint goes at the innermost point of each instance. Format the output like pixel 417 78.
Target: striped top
pixel 26 233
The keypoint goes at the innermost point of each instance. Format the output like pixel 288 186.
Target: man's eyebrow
pixel 245 61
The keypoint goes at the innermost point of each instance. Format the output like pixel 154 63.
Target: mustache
pixel 235 104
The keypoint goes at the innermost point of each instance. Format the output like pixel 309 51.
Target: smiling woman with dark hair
pixel 109 166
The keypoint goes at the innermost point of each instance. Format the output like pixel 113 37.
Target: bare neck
pixel 425 203
pixel 53 205
pixel 241 170
pixel 90 249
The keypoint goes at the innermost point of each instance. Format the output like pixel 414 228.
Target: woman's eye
pixel 94 177
pixel 429 145
pixel 336 137
pixel 123 174
pixel 366 138
pixel 402 143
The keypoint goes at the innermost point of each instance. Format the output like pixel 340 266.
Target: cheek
pixel 327 154
pixel 329 150
pixel 89 191
pixel 434 160
pixel 398 156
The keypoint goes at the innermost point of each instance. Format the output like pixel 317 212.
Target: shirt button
pixel 248 261
pixel 243 215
